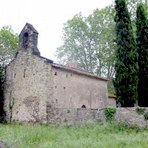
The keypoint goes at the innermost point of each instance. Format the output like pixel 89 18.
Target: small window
pixel 24 73
pixel 55 73
pixel 83 106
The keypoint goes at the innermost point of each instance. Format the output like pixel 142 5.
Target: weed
pixel 146 116
pixel 140 110
pixel 109 113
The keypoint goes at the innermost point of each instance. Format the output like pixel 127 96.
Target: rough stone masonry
pixel 34 85
pixel 39 90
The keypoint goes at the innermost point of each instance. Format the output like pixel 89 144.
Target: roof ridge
pixel 79 71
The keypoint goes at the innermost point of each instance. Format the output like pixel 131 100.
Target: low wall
pixel 111 102
pixel 62 116
pixel 130 116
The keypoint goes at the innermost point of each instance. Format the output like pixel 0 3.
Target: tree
pixel 142 48
pixel 8 47
pixel 126 66
pixel 89 42
pixel 132 6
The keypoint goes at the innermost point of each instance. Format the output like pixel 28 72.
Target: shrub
pixel 140 111
pixel 146 116
pixel 109 113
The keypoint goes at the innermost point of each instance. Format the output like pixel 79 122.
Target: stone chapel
pixel 35 84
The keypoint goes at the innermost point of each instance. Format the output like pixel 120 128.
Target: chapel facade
pixel 34 83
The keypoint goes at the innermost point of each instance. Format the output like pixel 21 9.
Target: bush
pixel 140 111
pixel 109 113
pixel 146 116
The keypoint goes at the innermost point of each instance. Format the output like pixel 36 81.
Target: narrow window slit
pixel 24 73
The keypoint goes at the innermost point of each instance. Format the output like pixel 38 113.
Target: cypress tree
pixel 142 48
pixel 126 66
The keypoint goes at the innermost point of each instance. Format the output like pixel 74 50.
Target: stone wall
pixel 26 88
pixel 130 116
pixel 32 83
pixel 71 90
pixel 62 116
pixel 111 102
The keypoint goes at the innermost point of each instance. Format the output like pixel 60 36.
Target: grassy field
pixel 94 135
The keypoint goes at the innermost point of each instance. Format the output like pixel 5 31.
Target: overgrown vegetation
pixel 140 111
pixel 146 116
pixel 109 113
pixel 93 135
pixel 8 48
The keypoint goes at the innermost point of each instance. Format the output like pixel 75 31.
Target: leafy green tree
pixel 132 6
pixel 89 42
pixel 126 66
pixel 8 47
pixel 142 48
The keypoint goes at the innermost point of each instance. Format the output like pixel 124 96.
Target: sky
pixel 47 17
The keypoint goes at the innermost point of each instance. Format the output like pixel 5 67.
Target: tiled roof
pixel 77 71
pixel 112 96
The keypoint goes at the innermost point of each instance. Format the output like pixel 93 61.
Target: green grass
pixel 94 135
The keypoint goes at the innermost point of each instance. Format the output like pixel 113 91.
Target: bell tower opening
pixel 25 40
